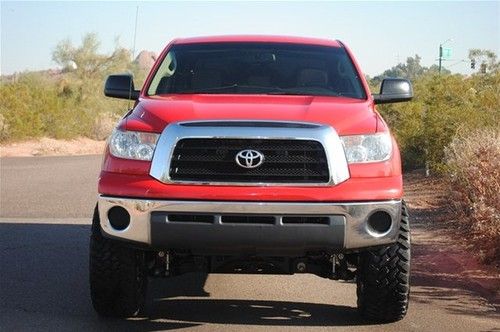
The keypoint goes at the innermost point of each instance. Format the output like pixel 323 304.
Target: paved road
pixel 45 206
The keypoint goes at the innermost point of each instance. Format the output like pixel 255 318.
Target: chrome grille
pixel 295 154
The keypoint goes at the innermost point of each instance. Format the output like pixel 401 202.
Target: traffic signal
pixel 473 63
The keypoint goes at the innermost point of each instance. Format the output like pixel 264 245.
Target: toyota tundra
pixel 252 154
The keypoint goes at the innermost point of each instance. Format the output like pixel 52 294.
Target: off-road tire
pixel 117 277
pixel 383 279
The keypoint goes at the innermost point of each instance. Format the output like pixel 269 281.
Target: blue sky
pixel 379 33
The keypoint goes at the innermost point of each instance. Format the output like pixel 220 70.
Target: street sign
pixel 446 53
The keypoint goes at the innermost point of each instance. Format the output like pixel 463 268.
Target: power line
pixel 456 63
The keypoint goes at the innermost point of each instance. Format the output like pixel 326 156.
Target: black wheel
pixel 117 277
pixel 383 280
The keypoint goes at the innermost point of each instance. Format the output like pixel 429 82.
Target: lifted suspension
pixel 166 263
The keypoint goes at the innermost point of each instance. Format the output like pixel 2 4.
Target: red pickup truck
pixel 252 154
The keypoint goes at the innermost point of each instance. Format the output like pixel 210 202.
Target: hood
pixel 347 116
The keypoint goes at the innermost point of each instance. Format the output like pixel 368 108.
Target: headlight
pixel 132 144
pixel 367 148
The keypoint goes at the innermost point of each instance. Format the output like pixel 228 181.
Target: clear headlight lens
pixel 367 148
pixel 132 144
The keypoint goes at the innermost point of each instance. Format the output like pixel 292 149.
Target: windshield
pixel 257 68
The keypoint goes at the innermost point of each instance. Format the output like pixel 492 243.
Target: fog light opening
pixel 379 223
pixel 119 218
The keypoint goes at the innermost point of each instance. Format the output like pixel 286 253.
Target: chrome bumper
pixel 326 135
pixel 347 228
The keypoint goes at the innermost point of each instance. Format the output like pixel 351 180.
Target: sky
pixel 381 34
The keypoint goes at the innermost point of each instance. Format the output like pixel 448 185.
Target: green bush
pixel 67 104
pixel 443 105
pixel 31 108
pixel 26 108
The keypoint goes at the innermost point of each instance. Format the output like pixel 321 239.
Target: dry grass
pixel 104 125
pixel 473 162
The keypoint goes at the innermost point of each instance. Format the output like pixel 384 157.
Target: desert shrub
pixel 32 109
pixel 69 103
pixel 25 106
pixel 473 164
pixel 4 128
pixel 443 105
pixel 104 125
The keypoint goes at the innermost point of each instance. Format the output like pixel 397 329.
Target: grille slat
pixel 229 158
pixel 283 172
pixel 198 218
pixel 323 220
pixel 229 164
pixel 242 219
pixel 263 149
pixel 285 161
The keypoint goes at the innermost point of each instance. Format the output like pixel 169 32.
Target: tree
pixel 86 66
pixel 486 59
pixel 411 70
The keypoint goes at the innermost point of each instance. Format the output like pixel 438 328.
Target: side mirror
pixel 394 90
pixel 121 86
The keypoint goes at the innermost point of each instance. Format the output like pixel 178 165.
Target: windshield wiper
pixel 265 90
pixel 288 93
pixel 217 88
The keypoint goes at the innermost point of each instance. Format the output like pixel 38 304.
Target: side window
pixel 160 82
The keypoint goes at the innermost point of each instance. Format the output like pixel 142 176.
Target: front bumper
pixel 346 225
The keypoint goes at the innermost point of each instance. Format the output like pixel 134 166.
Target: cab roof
pixel 258 39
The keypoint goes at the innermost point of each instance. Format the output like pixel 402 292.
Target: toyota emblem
pixel 249 158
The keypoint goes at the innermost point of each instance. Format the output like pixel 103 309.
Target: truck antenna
pixel 133 53
pixel 135 29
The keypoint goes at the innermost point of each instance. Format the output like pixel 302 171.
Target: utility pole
pixel 441 53
pixel 440 56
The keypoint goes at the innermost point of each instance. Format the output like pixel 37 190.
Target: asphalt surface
pixel 45 209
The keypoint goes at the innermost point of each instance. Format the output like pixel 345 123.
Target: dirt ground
pixel 52 147
pixel 441 255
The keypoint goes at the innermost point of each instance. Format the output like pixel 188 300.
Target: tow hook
pixel 340 270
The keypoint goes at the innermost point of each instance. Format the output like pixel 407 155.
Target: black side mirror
pixel 121 86
pixel 394 90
